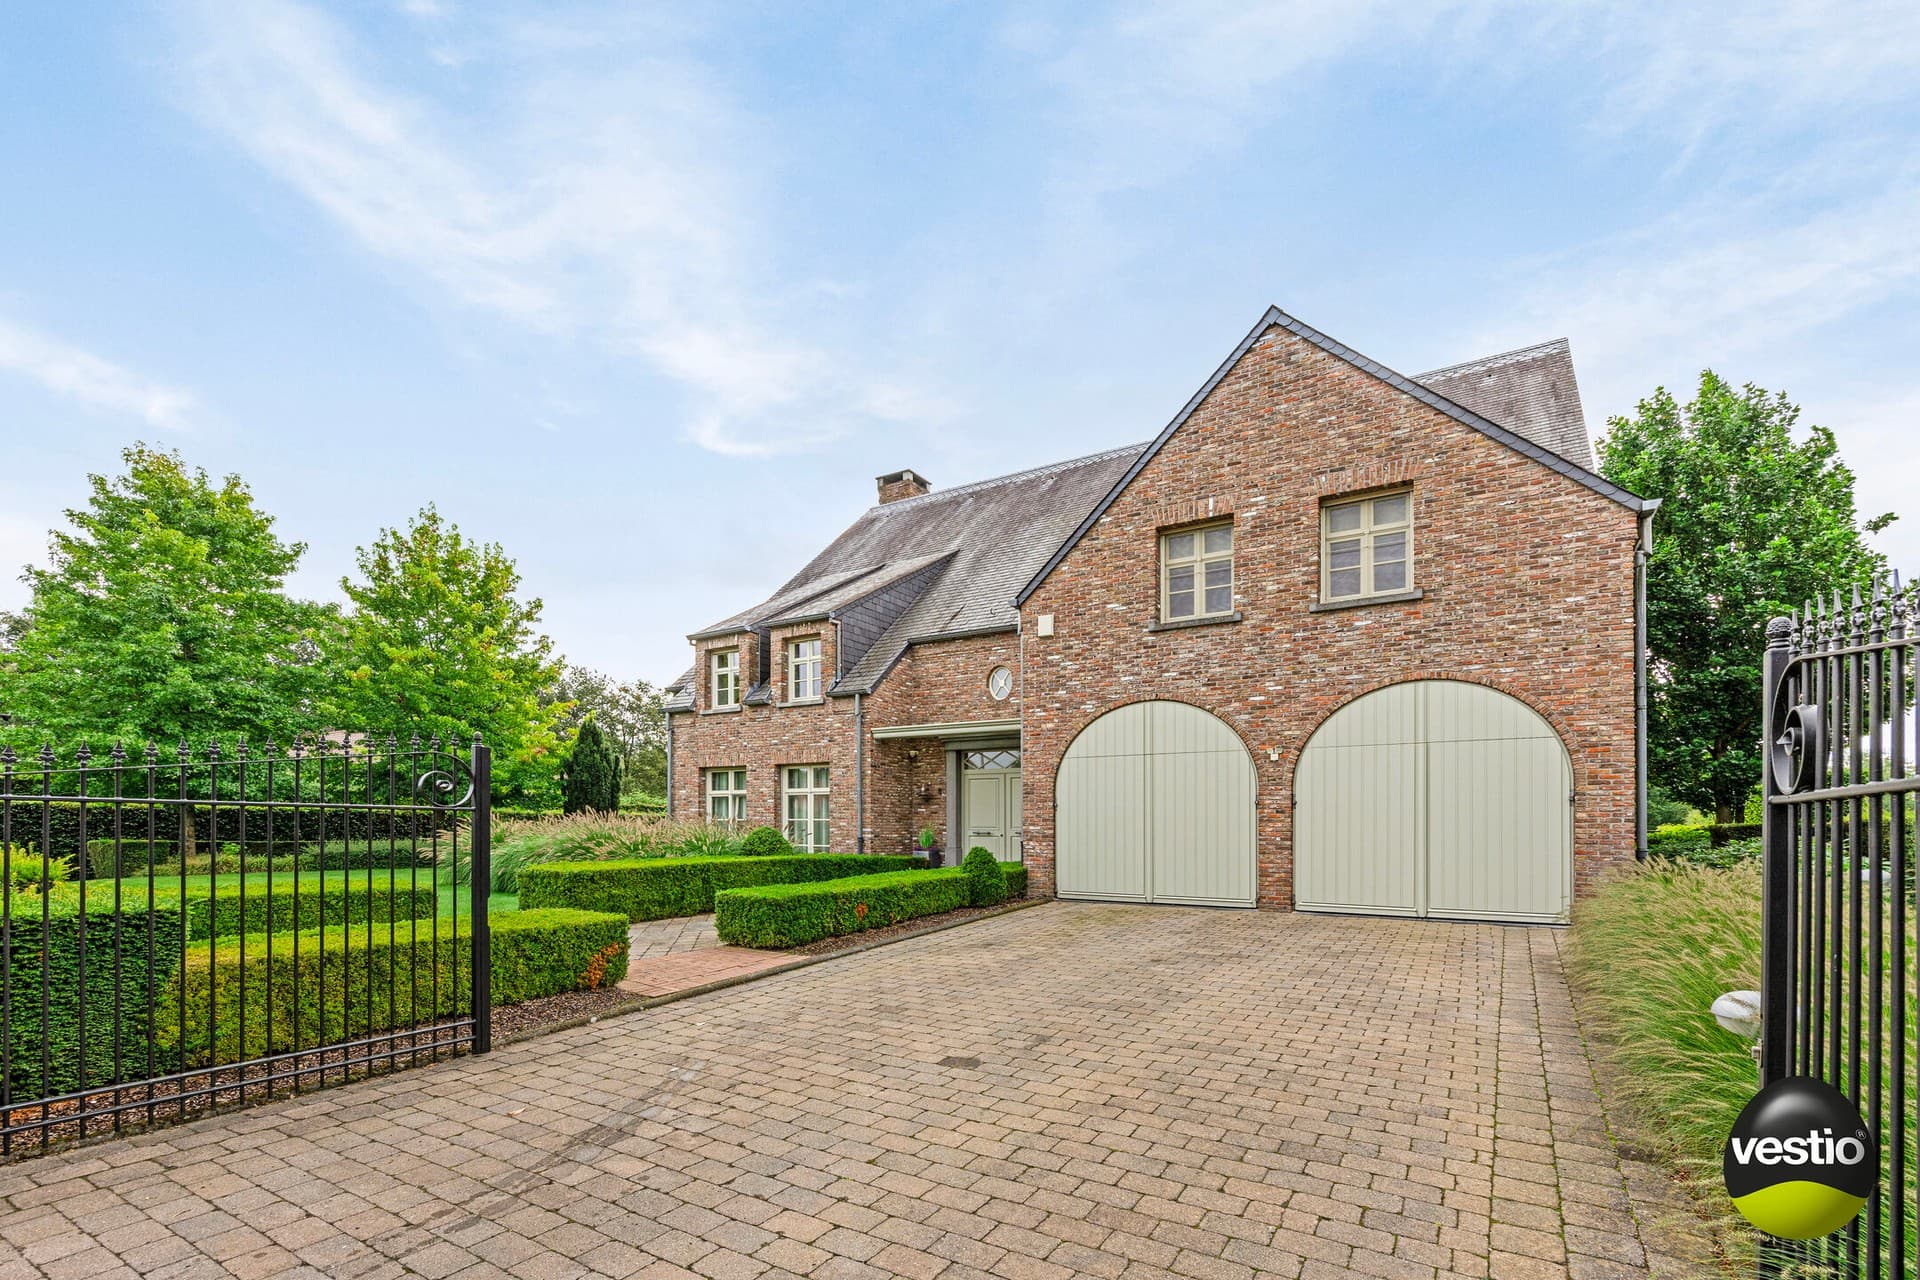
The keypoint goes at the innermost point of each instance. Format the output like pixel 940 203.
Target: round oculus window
pixel 1000 683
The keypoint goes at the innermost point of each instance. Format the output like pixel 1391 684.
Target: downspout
pixel 668 716
pixel 859 749
pixel 1643 548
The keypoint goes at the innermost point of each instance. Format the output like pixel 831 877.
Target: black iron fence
pixel 184 930
pixel 1839 984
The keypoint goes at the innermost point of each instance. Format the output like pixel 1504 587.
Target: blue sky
pixel 651 295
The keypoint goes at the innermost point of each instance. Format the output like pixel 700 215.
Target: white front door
pixel 990 804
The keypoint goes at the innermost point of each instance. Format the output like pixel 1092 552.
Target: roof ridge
pixel 974 486
pixel 1487 362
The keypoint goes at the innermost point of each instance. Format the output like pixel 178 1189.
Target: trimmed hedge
pixel 555 949
pixel 986 883
pixel 659 888
pixel 792 915
pixel 765 842
pixel 422 974
pixel 1676 841
pixel 221 913
pixel 1016 874
pixel 133 856
pixel 53 954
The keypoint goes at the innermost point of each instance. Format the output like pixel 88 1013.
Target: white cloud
pixel 92 380
pixel 599 195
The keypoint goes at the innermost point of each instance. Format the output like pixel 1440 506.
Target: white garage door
pixel 1435 798
pixel 1154 803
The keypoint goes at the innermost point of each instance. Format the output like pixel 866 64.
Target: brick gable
pixel 1527 575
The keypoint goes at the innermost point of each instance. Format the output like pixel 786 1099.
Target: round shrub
pixel 986 883
pixel 765 842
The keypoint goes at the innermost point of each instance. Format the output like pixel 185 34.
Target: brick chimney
pixel 902 484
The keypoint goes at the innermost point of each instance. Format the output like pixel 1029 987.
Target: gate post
pixel 1776 912
pixel 480 880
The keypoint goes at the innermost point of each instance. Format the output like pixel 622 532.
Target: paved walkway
pixel 1073 1090
pixel 665 956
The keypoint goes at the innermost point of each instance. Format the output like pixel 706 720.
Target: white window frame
pixel 1199 561
pixel 728 787
pixel 1366 533
pixel 812 831
pixel 723 678
pixel 796 662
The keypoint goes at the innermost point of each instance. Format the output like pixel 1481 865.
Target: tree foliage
pixel 1753 523
pixel 161 615
pixel 631 713
pixel 437 641
pixel 593 773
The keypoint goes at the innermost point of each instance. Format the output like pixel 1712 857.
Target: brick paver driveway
pixel 1070 1090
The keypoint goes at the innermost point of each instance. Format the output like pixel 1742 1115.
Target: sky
pixel 650 295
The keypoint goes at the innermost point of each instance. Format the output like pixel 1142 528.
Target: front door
pixel 990 804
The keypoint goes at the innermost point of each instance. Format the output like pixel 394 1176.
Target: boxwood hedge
pixel 304 903
pixel 659 888
pixel 792 915
pixel 423 972
pixel 46 1055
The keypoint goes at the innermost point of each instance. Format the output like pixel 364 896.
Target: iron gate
pixel 221 927
pixel 1839 907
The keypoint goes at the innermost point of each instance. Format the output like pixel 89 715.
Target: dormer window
pixel 803 670
pixel 724 679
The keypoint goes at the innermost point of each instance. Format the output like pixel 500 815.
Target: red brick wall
pixel 942 681
pixel 1528 579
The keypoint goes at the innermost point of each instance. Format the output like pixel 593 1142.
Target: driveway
pixel 1069 1090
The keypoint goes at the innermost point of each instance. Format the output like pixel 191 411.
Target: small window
pixel 1007 759
pixel 1196 573
pixel 1366 547
pixel 725 685
pixel 727 796
pixel 803 671
pixel 806 788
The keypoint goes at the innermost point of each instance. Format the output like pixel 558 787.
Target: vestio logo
pixel 1800 1162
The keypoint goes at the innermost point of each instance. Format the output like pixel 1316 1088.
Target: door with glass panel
pixel 990 802
pixel 806 800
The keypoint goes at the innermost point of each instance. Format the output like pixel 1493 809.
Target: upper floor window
pixel 803 671
pixel 727 796
pixel 724 683
pixel 1196 573
pixel 1366 547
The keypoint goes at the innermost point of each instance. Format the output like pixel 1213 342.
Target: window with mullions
pixel 806 791
pixel 1196 573
pixel 1366 547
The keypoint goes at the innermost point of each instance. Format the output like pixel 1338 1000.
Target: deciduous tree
pixel 438 641
pixel 1756 519
pixel 161 614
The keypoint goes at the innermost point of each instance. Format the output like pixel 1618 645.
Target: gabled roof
pixel 1531 391
pixel 962 552
pixel 1275 317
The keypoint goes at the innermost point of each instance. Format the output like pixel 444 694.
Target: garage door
pixel 1154 803
pixel 1435 798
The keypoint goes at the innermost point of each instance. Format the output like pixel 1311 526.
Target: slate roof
pixel 1000 537
pixel 1531 391
pixel 992 533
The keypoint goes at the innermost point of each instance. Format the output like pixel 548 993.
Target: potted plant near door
pixel 929 841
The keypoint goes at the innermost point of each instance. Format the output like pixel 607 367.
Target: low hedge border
pixel 792 915
pixel 308 903
pixel 534 953
pixel 661 888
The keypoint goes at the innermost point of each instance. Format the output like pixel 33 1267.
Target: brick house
pixel 1335 639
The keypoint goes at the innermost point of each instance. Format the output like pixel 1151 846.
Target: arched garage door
pixel 1435 798
pixel 1154 803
